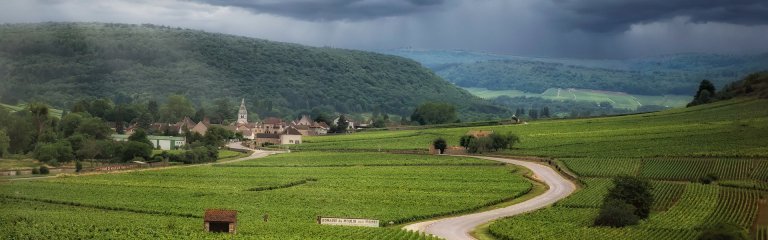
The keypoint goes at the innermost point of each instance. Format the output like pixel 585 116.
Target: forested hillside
pixel 60 63
pixel 671 74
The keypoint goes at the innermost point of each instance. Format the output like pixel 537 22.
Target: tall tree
pixel 704 94
pixel 39 116
pixel 176 108
pixel 153 109
pixel 5 142
pixel 223 109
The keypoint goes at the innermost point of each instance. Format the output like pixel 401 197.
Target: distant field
pixel 292 188
pixel 617 99
pixel 52 111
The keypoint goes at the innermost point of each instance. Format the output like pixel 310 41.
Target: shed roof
pixel 220 215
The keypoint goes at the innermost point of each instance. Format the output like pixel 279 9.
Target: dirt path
pixel 456 228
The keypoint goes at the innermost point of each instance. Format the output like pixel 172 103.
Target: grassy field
pixel 52 111
pixel 617 99
pixel 673 149
pixel 292 188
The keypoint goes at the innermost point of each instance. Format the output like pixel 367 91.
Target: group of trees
pixel 434 113
pixel 492 142
pixel 533 113
pixel 83 134
pixel 755 84
pixel 627 202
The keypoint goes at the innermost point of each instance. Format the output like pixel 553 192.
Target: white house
pixel 158 142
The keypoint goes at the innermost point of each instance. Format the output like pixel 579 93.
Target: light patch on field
pixel 617 99
pixel 54 112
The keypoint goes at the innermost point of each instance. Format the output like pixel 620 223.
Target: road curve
pixel 458 228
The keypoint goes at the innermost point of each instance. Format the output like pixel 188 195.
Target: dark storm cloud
pixel 617 16
pixel 330 10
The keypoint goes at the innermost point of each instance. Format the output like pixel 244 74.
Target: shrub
pixel 634 191
pixel 723 231
pixel 44 170
pixel 709 178
pixel 78 166
pixel 440 144
pixel 35 171
pixel 616 213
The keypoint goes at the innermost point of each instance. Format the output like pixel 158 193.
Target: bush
pixel 493 142
pixel 634 191
pixel 135 149
pixel 35 171
pixel 616 213
pixel 723 231
pixel 78 166
pixel 44 170
pixel 60 151
pixel 440 144
pixel 709 178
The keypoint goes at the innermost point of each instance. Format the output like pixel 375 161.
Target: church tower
pixel 242 115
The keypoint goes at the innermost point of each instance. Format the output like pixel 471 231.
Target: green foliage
pixel 633 191
pixel 340 126
pixel 78 166
pixel 133 149
pixel 709 178
pixel 705 94
pixel 492 142
pixel 5 142
pixel 60 151
pixel 217 136
pixel 139 136
pixel 176 108
pixel 434 113
pixel 44 170
pixel 63 62
pixel 440 144
pixel 723 231
pixel 616 213
pixel 94 127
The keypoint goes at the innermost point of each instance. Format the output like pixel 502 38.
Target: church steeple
pixel 242 115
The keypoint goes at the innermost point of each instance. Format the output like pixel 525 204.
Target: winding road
pixel 458 228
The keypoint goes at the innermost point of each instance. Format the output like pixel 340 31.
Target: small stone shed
pixel 220 220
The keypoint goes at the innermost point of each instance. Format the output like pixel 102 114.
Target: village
pixel 269 131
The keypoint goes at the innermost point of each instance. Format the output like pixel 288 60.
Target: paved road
pixel 458 228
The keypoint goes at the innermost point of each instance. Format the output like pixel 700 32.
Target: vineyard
pixel 359 175
pixel 169 203
pixel 674 149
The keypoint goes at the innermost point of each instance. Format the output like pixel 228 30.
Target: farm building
pixel 158 142
pixel 219 220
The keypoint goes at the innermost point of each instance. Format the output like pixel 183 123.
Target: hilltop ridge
pixel 59 63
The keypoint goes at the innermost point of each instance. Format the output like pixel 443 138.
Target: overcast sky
pixel 547 28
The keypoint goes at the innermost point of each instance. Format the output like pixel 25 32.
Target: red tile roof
pixel 220 215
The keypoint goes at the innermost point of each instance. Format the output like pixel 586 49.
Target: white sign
pixel 348 221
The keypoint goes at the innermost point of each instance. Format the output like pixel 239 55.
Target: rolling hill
pixel 676 74
pixel 60 63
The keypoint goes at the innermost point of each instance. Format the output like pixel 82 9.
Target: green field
pixel 353 175
pixel 52 111
pixel 292 188
pixel 672 148
pixel 617 99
